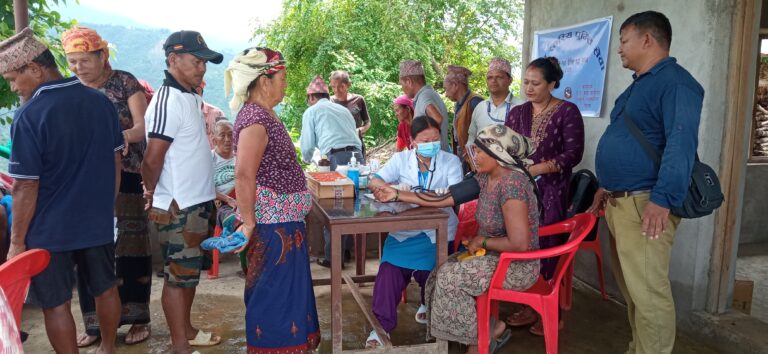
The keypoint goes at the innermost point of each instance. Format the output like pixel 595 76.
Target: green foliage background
pixel 370 38
pixel 47 25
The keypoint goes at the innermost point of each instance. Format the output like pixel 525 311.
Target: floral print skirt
pixel 451 292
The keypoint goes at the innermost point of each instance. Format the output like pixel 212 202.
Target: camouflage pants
pixel 180 232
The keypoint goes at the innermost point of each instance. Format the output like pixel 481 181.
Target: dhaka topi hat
pixel 317 86
pixel 19 50
pixel 458 74
pixel 411 68
pixel 500 64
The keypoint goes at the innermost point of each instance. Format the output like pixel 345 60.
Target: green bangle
pixel 397 195
pixel 484 241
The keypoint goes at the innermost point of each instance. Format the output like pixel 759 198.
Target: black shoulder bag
pixel 704 193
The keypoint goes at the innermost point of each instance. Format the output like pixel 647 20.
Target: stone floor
pixel 752 264
pixel 593 326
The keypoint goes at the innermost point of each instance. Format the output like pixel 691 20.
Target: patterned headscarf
pixel 82 40
pixel 404 100
pixel 506 146
pixel 246 67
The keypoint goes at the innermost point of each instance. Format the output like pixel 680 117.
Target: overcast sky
pixel 224 21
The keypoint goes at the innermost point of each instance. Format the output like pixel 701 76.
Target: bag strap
pixel 640 137
pixel 646 145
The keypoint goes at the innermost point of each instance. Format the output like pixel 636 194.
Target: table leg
pixel 360 246
pixel 336 324
pixel 441 243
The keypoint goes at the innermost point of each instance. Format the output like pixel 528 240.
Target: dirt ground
pixel 593 326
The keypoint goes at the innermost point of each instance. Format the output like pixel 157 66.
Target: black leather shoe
pixel 327 263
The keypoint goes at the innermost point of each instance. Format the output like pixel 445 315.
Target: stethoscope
pixel 494 119
pixel 425 181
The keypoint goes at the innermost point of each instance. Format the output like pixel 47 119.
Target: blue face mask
pixel 428 149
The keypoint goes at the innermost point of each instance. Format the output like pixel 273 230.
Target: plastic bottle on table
pixel 353 172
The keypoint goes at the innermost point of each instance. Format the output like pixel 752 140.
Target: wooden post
pixel 735 151
pixel 20 14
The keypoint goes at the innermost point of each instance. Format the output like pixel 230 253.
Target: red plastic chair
pixel 213 273
pixel 543 296
pixel 6 181
pixel 15 276
pixel 467 227
pixel 590 245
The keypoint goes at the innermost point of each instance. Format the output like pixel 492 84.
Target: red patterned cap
pixel 317 86
pixel 500 64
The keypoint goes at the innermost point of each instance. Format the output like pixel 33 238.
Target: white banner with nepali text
pixel 582 50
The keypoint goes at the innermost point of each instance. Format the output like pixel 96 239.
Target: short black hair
pixel 46 60
pixel 318 96
pixel 422 123
pixel 654 22
pixel 418 79
pixel 550 68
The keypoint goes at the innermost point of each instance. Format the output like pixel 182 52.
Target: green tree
pixel 370 38
pixel 47 25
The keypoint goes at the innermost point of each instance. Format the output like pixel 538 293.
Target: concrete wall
pixel 754 215
pixel 700 42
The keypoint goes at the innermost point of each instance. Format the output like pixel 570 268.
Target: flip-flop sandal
pixel 538 328
pixel 422 310
pixel 373 337
pixel 524 317
pixel 143 329
pixel 204 339
pixel 89 342
pixel 499 342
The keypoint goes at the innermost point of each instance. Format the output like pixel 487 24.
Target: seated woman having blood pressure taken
pixel 508 219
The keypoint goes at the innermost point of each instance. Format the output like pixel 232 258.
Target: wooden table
pixel 361 216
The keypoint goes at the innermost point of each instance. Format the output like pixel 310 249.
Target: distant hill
pixel 140 52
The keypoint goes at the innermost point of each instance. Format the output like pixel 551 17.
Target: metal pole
pixel 20 14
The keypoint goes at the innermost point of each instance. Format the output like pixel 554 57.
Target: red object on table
pixel 15 276
pixel 543 296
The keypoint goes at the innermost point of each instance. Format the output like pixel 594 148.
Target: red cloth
pixel 403 136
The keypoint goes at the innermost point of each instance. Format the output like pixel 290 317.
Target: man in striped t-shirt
pixel 178 180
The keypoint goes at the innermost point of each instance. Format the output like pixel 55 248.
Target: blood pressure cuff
pixel 465 191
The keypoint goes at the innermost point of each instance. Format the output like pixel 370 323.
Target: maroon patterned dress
pixel 280 315
pixel 451 290
pixel 558 134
